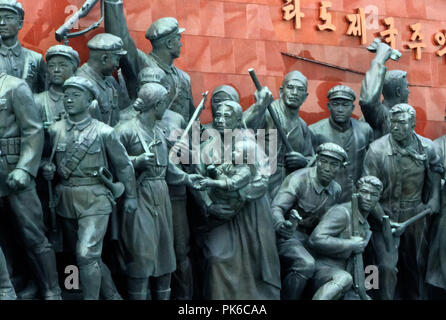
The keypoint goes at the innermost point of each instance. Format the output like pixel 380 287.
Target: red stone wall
pixel 224 38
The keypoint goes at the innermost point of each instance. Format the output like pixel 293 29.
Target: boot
pixel 329 291
pixel 182 281
pixel 46 270
pixel 108 288
pixel 162 294
pixel 90 280
pixel 292 286
pixel 6 289
pixel 137 288
pixel 29 292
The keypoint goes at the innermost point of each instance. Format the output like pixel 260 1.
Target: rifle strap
pixel 76 153
pixel 142 140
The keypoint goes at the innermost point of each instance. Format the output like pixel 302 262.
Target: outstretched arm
pixel 116 24
pixel 372 86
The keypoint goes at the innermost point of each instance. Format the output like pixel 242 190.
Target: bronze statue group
pixel 86 172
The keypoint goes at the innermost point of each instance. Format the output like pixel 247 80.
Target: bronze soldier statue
pixel 311 191
pixel 292 95
pixel 7 291
pixel 237 238
pixel 352 135
pixel 21 144
pixel 436 267
pixel 62 63
pixel 148 235
pixel 105 52
pixel 392 85
pixel 409 169
pixel 165 37
pixel 335 242
pixel 83 147
pixel 14 59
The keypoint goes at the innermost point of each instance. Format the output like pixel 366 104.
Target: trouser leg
pixel 297 266
pixel 336 283
pixel 90 234
pixel 413 257
pixel 137 288
pixel 29 218
pixel 161 287
pixel 6 289
pixel 182 278
pixel 108 288
pixel 386 259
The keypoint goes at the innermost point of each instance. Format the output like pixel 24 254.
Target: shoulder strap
pixel 56 141
pixel 76 153
pixel 142 140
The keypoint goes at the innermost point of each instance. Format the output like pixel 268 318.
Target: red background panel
pixel 224 38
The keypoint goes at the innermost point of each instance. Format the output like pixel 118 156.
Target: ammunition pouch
pixel 10 146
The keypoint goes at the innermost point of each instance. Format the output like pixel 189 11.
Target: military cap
pixel 151 75
pixel 296 75
pixel 81 83
pixel 341 92
pixel 162 28
pixel 332 150
pixel 13 5
pixel 107 42
pixel 62 50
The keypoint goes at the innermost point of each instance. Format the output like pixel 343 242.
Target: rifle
pixel 196 115
pixel 358 264
pixel 409 221
pixel 282 134
pixel 62 33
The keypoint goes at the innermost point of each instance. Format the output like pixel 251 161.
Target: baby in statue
pixel 241 180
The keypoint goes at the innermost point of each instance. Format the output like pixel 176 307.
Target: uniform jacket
pixel 330 239
pixel 111 99
pixel 382 161
pixel 20 119
pixel 302 191
pixel 106 151
pixel 355 145
pixel 24 64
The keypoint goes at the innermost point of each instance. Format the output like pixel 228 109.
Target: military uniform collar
pixel 167 68
pixel 54 95
pixel 339 128
pixel 96 76
pixel 81 125
pixel 15 49
pixel 317 186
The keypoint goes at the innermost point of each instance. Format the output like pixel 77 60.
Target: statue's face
pixel 60 69
pixel 401 126
pixel 368 197
pixel 224 118
pixel 160 108
pixel 10 23
pixel 340 109
pixel 176 46
pixel 76 101
pixel 293 94
pixel 327 168
pixel 111 64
